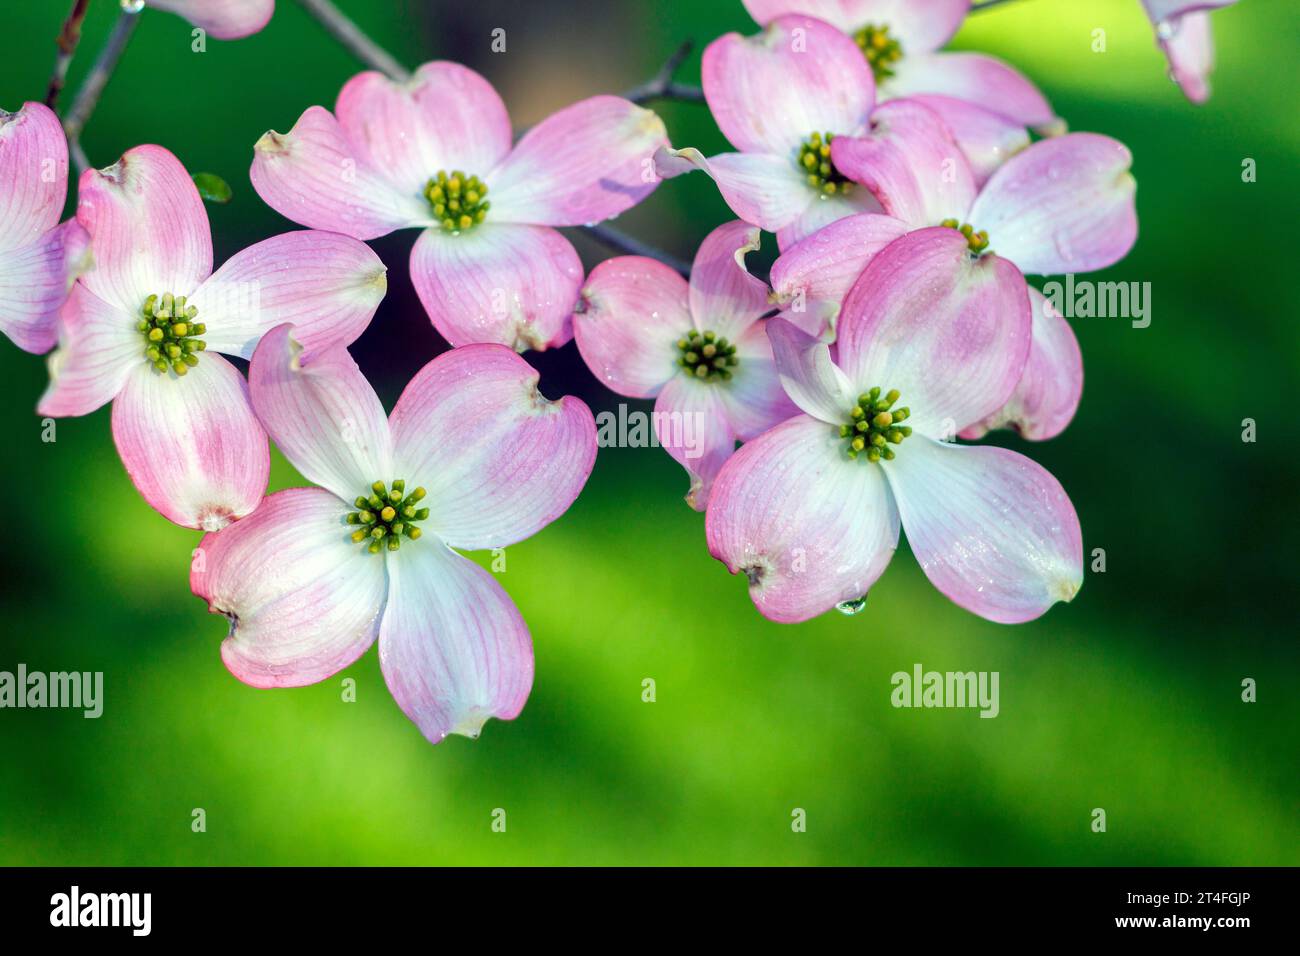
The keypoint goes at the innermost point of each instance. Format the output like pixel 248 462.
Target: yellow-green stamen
pixel 874 425
pixel 170 333
pixel 385 516
pixel 815 161
pixel 707 356
pixel 459 202
pixel 881 50
pixel 977 242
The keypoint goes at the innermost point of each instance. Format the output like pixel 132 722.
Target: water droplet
pixel 850 608
pixel 132 6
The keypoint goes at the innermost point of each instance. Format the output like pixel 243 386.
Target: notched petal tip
pixel 470 724
pixel 273 143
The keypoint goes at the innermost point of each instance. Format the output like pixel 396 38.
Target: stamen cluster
pixel 169 331
pixel 815 161
pixel 881 50
pixel 874 426
pixel 459 201
pixel 386 516
pixel 707 356
pixel 978 242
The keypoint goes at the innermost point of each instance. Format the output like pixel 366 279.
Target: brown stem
pixel 67 42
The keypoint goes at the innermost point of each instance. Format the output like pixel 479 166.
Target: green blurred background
pixel 1128 699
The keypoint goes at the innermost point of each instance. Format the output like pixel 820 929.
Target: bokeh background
pixel 1128 699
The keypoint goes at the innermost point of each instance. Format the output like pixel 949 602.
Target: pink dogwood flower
pixel 223 19
pixel 471 457
pixel 1183 33
pixel 435 154
pixel 1062 205
pixel 698 348
pixel 39 258
pixel 810 511
pixel 780 98
pixel 144 329
pixel 985 102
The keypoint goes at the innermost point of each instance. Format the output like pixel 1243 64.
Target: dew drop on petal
pixel 850 608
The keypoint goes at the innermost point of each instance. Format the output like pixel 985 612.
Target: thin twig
pixel 67 42
pixel 663 87
pixel 93 85
pixel 612 238
pixel 981 5
pixel 351 36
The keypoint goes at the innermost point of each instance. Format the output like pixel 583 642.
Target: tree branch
pixel 663 87
pixel 93 86
pixel 611 238
pixel 981 5
pixel 351 36
pixel 67 42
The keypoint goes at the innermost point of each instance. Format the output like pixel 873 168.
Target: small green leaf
pixel 212 187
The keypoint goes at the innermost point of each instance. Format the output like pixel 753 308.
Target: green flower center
pixel 707 356
pixel 386 516
pixel 978 242
pixel 815 161
pixel 459 202
pixel 881 50
pixel 169 331
pixel 874 426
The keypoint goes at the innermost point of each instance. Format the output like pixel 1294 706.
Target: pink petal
pixel 314 176
pixel 1188 43
pixel 812 277
pixel 148 229
pixel 33 174
pixel 498 282
pixel 588 162
pixel 919 25
pixel 98 348
pixel 303 600
pixel 633 310
pixel 1162 10
pixel 950 332
pixel 322 414
pixel 992 530
pixel 692 424
pixel 822 212
pixel 770 92
pixel 453 647
pixel 910 164
pixel 753 399
pixel 1048 392
pixel 725 298
pixel 808 374
pixel 326 284
pixel 34 283
pixel 191 444
pixel 986 138
pixel 808 527
pixel 499 460
pixel 763 189
pixel 976 78
pixel 1063 205
pixel 445 118
pixel 223 19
